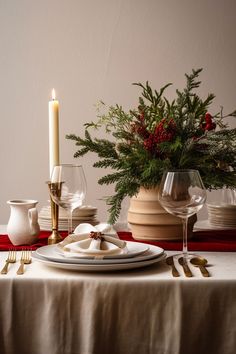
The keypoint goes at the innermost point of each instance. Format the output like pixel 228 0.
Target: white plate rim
pixel 100 267
pixel 152 252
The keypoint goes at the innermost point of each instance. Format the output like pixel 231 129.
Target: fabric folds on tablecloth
pixel 140 311
pixel 212 240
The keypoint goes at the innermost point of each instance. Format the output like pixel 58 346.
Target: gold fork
pixel 10 259
pixel 25 259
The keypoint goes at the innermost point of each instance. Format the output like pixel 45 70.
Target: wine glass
pixel 72 188
pixel 182 194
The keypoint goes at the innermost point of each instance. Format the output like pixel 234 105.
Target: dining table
pixel 51 310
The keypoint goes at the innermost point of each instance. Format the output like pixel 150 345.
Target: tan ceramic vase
pixel 149 221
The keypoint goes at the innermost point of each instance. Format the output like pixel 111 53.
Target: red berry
pixel 208 117
pixel 208 127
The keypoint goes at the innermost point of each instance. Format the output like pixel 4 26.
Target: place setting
pixel 97 249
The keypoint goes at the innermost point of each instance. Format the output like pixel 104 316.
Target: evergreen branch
pixel 191 81
pixel 105 163
pixel 81 152
pixel 72 137
pixel 111 178
pixel 124 188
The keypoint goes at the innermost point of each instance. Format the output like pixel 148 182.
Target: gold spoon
pixel 201 263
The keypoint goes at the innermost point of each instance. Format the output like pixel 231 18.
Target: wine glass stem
pixel 185 237
pixel 69 214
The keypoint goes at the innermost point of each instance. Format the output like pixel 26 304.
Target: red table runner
pixel 217 240
pixel 214 240
pixel 5 243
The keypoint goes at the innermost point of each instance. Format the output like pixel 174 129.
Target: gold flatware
pixel 200 262
pixel 183 263
pixel 11 258
pixel 170 262
pixel 25 259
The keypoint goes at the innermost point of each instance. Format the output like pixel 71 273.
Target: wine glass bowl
pixel 69 200
pixel 68 188
pixel 182 194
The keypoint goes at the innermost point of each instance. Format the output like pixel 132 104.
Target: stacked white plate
pixel 136 255
pixel 222 214
pixel 85 214
pixel 205 225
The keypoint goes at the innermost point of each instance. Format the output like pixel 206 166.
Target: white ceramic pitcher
pixel 23 227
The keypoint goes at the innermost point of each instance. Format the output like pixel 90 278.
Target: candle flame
pixel 53 94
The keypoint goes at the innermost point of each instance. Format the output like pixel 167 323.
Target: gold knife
pixel 170 262
pixel 183 263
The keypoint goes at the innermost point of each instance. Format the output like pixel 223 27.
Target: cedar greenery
pixel 161 135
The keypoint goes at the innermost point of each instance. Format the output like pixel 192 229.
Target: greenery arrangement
pixel 159 135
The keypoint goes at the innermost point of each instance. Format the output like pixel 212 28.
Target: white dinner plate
pixel 136 252
pixel 99 267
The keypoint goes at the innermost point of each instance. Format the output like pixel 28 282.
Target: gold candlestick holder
pixel 54 188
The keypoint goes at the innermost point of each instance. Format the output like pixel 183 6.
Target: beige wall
pixel 90 50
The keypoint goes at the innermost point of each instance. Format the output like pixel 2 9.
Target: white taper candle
pixel 53 132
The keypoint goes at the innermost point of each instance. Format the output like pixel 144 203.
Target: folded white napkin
pixel 97 241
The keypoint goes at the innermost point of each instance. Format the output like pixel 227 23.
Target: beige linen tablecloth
pixel 144 311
